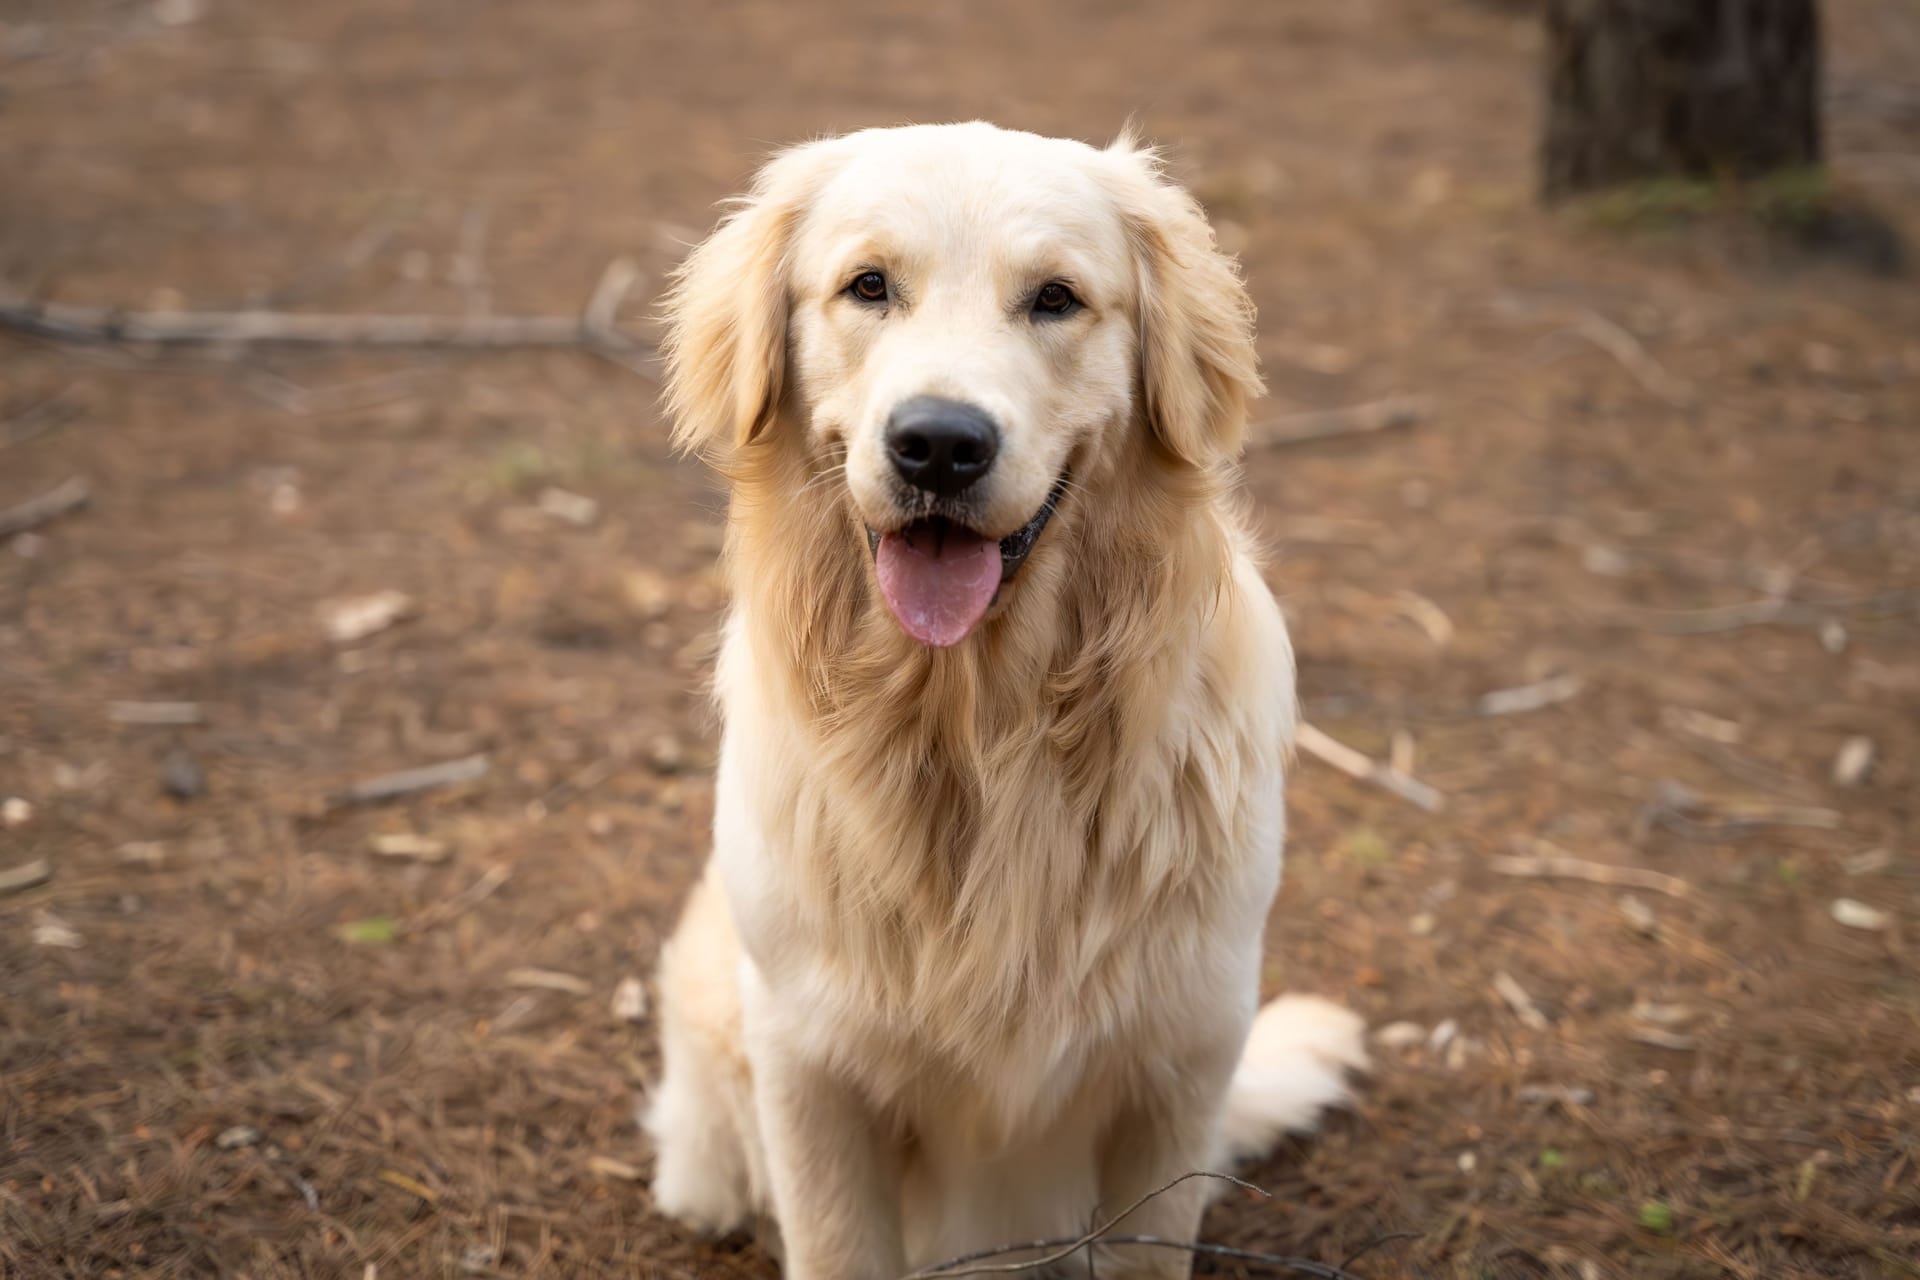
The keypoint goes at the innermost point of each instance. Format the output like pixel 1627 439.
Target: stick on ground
pixel 155 713
pixel 49 506
pixel 1364 768
pixel 41 418
pixel 1529 697
pixel 1053 1251
pixel 390 786
pixel 27 875
pixel 460 903
pixel 1355 420
pixel 1632 356
pixel 591 331
pixel 1550 864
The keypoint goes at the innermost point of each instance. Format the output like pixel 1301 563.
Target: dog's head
pixel 960 328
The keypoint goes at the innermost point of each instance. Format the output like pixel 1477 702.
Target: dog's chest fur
pixel 969 877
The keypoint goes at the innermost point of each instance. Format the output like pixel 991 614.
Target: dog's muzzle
pixel 939 577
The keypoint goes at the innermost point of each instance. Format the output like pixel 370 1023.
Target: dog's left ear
pixel 1198 364
pixel 726 315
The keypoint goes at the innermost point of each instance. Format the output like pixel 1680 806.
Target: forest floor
pixel 1666 478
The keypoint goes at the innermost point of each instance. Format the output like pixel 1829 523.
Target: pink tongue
pixel 938 583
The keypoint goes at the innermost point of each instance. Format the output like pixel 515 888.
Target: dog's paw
pixel 698 1177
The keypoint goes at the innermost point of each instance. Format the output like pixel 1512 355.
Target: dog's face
pixel 959 325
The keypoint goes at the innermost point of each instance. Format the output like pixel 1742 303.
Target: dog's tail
pixel 1294 1067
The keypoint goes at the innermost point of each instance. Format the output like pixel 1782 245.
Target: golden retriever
pixel 998 818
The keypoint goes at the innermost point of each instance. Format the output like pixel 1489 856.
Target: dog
pixel 1007 706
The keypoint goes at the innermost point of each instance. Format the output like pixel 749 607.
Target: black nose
pixel 942 446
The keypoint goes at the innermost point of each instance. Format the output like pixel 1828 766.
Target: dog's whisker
pixel 835 472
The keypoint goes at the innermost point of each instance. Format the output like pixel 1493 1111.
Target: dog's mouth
pixel 939 577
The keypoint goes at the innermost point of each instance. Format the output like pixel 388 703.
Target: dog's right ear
pixel 1198 364
pixel 726 315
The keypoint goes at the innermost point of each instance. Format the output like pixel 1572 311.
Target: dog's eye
pixel 869 286
pixel 1054 299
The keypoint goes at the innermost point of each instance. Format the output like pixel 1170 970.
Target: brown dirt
pixel 419 1113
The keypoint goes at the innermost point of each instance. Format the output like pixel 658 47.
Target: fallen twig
pixel 1771 610
pixel 49 506
pixel 1359 766
pixel 1662 1039
pixel 1554 865
pixel 67 323
pixel 406 845
pixel 405 782
pixel 1053 1251
pixel 1378 1242
pixel 1519 1001
pixel 593 330
pixel 460 903
pixel 614 284
pixel 1355 420
pixel 289 396
pixel 38 420
pixel 1529 697
pixel 608 1167
pixel 469 268
pixel 584 780
pixel 1681 810
pixel 27 875
pixel 155 713
pixel 1625 348
pixel 1298 1266
pixel 357 252
pixel 1730 617
pixel 1426 615
pixel 549 980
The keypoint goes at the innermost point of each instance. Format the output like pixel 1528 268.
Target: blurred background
pixel 1597 518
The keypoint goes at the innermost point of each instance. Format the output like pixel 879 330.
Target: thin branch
pixel 1517 999
pixel 1767 611
pixel 1060 1249
pixel 1632 356
pixel 27 875
pixel 615 283
pixel 1052 1251
pixel 1550 864
pixel 591 331
pixel 1529 697
pixel 155 713
pixel 1365 769
pixel 1390 414
pixel 460 903
pixel 469 268
pixel 390 786
pixel 105 325
pixel 49 506
pixel 285 394
pixel 359 251
pixel 1720 618
pixel 41 418
pixel 1380 1242
pixel 1297 1266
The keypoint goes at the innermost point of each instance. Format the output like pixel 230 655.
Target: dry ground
pixel 1680 467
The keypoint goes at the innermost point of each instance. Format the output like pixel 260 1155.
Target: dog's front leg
pixel 835 1173
pixel 1170 1132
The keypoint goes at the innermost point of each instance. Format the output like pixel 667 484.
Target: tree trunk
pixel 1641 89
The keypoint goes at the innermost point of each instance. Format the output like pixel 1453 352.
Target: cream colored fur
pixel 979 947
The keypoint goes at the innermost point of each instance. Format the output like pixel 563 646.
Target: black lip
pixel 1016 546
